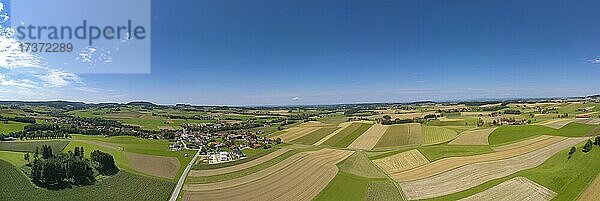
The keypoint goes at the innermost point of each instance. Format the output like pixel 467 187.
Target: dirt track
pixel 300 178
pixel 473 137
pixel 369 139
pixel 446 164
pixel 518 188
pixel 160 166
pixel 225 170
pixel 472 175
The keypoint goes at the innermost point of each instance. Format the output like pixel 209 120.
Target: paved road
pixel 177 189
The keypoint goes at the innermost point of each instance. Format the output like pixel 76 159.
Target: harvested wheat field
pixel 297 132
pixel 301 178
pixel 469 176
pixel 592 192
pixel 369 139
pixel 225 170
pixel 589 121
pixel 557 123
pixel 523 143
pixel 160 166
pixel 518 188
pixel 473 137
pixel 446 164
pixel 341 127
pixel 400 162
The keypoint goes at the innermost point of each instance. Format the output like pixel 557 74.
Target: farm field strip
pixel 293 161
pixel 557 123
pixel 160 166
pixel 341 127
pixel 315 136
pixel 589 121
pixel 225 170
pixel 436 135
pixel 591 192
pixel 29 145
pixel 302 180
pixel 450 163
pixel 469 176
pixel 102 144
pixel 296 132
pixel 383 190
pixel 523 143
pixel 473 137
pixel 344 138
pixel 400 135
pixel 401 162
pixel 299 157
pixel 369 139
pixel 359 164
pixel 518 188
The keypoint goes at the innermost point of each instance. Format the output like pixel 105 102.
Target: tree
pixel 572 151
pixel 80 171
pixel 36 153
pixel 76 151
pixel 106 163
pixel 597 141
pixel 480 122
pixel 588 146
pixel 26 157
pixel 81 152
pixel 47 152
pixel 36 171
pixel 53 172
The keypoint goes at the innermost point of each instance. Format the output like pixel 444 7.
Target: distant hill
pixel 142 103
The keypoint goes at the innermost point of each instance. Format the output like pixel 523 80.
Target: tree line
pixel 21 119
pixel 587 147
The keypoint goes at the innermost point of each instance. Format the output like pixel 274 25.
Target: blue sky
pixel 320 52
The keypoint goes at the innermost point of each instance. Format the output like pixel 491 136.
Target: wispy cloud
pixel 57 78
pixel 297 98
pixel 25 75
pixel 23 83
pixel 594 60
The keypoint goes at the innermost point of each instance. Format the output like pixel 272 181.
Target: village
pixel 221 147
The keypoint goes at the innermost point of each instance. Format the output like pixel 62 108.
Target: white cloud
pixel 11 56
pixel 56 78
pixel 594 61
pixel 296 98
pixel 23 83
pixel 93 56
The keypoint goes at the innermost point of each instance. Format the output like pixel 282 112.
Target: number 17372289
pixel 46 47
